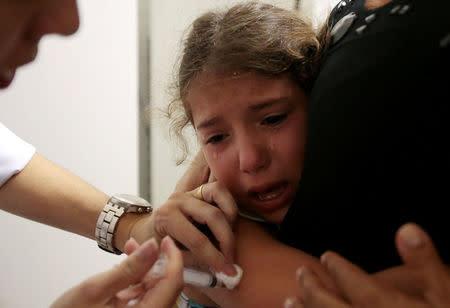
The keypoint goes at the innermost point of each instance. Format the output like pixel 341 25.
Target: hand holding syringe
pixel 198 278
pixel 190 276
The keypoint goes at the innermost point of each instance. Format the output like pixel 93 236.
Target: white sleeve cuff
pixel 14 154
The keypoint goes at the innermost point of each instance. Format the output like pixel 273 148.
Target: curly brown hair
pixel 251 36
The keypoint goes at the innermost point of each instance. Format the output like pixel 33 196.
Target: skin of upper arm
pixel 269 270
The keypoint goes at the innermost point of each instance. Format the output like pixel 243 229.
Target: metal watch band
pixel 106 224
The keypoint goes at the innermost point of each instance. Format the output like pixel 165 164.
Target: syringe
pixel 190 276
pixel 201 279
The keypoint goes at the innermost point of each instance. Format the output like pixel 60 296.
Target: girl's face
pixel 252 131
pixel 23 23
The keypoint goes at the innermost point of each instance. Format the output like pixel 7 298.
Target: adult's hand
pixel 209 204
pixel 102 290
pixel 360 289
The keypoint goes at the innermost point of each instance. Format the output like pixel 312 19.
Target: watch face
pixel 131 199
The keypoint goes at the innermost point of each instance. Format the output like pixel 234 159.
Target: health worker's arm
pixel 49 194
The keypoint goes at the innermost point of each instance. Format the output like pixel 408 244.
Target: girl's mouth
pixel 270 198
pixel 272 193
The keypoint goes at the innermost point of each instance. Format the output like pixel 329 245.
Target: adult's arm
pixel 49 194
pixel 35 188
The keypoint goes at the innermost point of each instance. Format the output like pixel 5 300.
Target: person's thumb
pixel 419 252
pixel 129 271
pixel 415 247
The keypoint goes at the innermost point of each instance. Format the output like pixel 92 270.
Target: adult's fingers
pixel 196 174
pixel 314 293
pixel 293 302
pixel 165 292
pixel 419 253
pixel 128 272
pixel 130 246
pixel 133 291
pixel 416 248
pixel 130 293
pixel 354 282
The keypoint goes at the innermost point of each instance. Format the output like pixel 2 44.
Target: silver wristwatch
pixel 116 206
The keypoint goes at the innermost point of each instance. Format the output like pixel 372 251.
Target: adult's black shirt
pixel 377 152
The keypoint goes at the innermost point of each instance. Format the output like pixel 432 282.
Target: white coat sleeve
pixel 14 154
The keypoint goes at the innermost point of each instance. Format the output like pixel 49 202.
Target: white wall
pixel 77 103
pixel 317 10
pixel 169 19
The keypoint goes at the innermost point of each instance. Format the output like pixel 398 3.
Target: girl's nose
pixel 254 156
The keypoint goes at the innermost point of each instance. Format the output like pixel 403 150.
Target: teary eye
pixel 274 120
pixel 215 139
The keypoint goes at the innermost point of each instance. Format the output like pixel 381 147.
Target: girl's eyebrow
pixel 208 123
pixel 267 103
pixel 255 107
pixel 264 104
